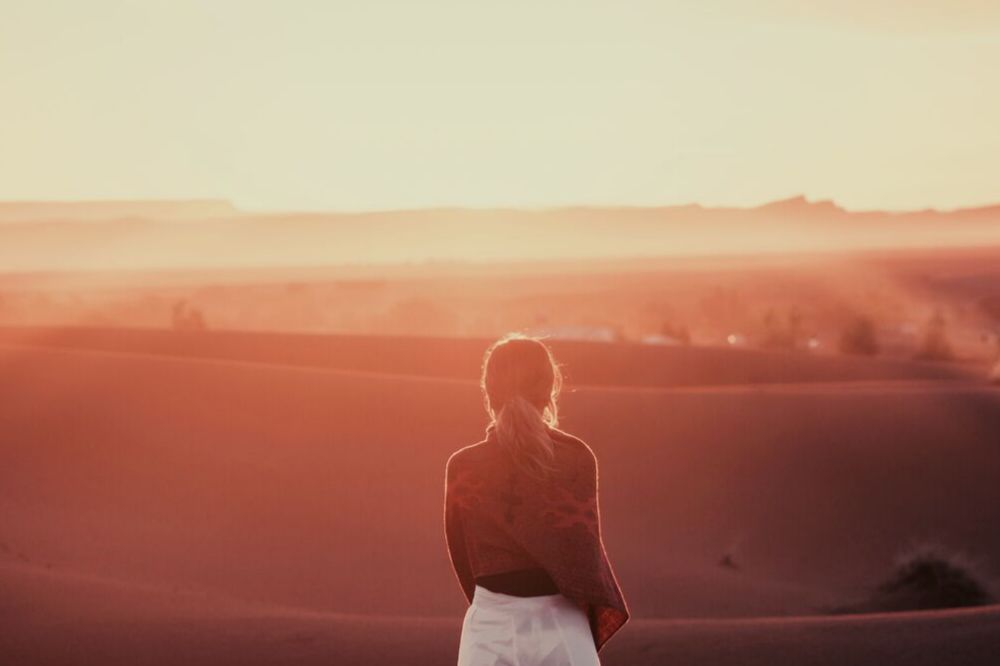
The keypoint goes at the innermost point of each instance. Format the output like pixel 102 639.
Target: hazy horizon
pixel 294 210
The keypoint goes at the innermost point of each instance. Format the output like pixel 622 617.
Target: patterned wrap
pixel 498 519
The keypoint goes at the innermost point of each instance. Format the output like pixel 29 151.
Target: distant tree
pixel 196 320
pixel 859 337
pixel 935 345
pixel 178 315
pixel 782 336
pixel 186 318
pixel 794 325
pixel 680 333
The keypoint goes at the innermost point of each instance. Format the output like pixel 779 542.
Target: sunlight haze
pixel 385 105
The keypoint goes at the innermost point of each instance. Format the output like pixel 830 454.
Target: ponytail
pixel 523 431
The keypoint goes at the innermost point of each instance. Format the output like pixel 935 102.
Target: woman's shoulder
pixel 465 456
pixel 573 442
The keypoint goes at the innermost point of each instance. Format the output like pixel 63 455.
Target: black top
pixel 520 583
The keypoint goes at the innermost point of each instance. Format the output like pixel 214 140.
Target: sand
pixel 252 507
pixel 74 619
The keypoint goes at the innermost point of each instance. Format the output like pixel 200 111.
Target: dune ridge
pixel 584 363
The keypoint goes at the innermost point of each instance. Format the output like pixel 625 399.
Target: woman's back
pixel 500 519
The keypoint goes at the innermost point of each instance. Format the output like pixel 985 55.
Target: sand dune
pixel 252 479
pixel 176 626
pixel 295 486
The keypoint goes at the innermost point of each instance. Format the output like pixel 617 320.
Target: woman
pixel 523 527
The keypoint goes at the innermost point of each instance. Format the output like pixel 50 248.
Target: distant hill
pixel 144 234
pixel 801 206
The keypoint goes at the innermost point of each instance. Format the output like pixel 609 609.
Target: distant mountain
pixel 800 206
pixel 215 234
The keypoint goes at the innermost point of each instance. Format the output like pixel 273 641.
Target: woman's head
pixel 521 383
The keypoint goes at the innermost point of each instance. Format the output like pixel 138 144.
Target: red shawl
pixel 499 519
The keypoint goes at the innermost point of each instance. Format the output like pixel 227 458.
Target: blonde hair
pixel 521 383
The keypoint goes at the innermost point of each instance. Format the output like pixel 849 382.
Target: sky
pixel 377 104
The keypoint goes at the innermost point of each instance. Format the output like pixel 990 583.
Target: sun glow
pixel 383 105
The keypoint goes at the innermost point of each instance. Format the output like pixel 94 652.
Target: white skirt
pixel 504 630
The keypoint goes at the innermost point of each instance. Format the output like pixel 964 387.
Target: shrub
pixel 924 578
pixel 858 337
pixel 679 333
pixel 186 318
pixel 782 334
pixel 935 345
